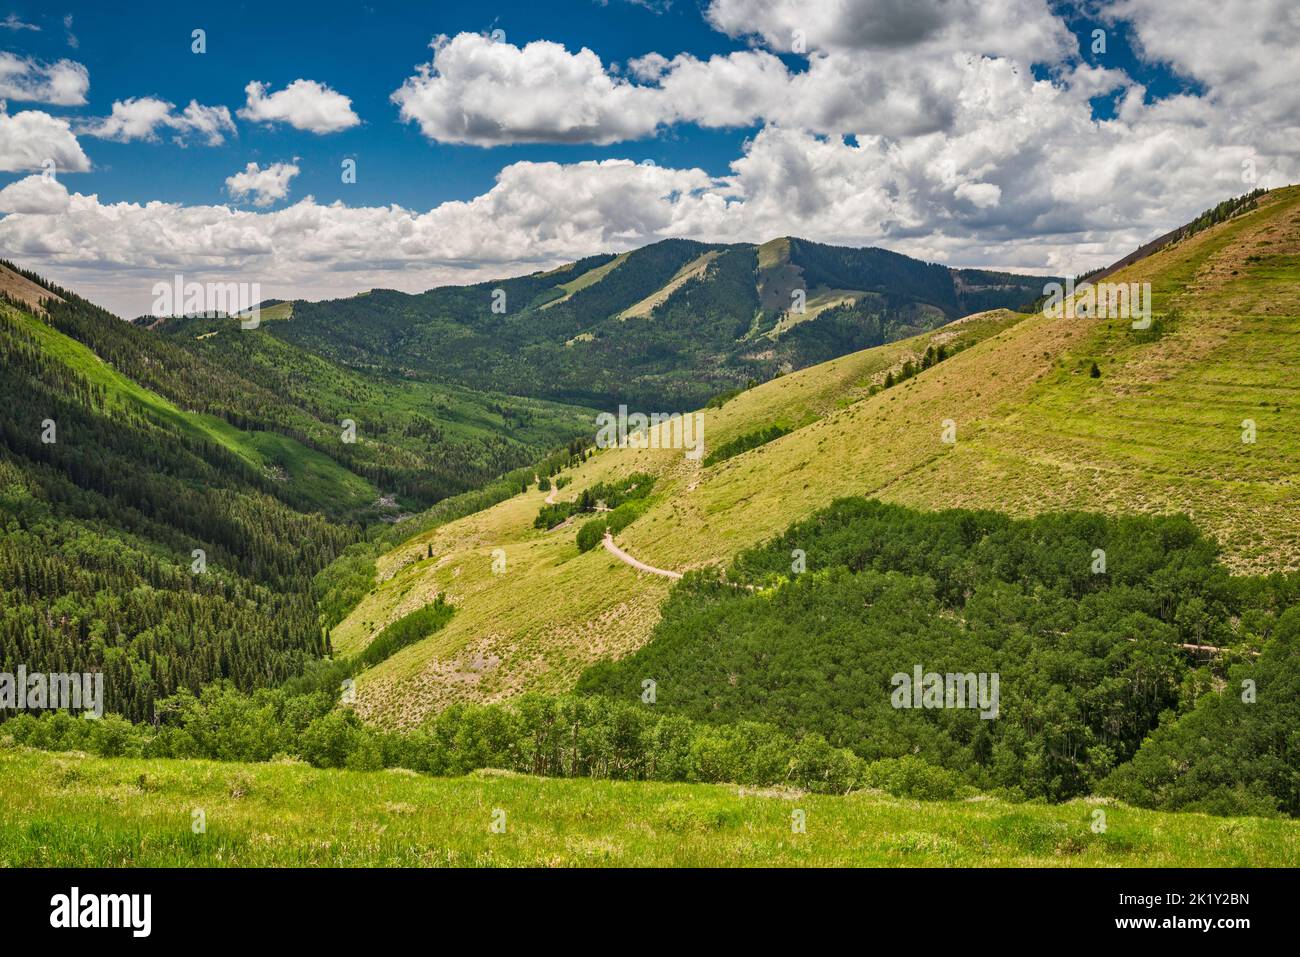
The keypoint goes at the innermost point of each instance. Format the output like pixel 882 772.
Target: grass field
pixel 1159 431
pixel 77 811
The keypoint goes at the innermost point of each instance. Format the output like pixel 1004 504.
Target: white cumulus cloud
pixel 38 195
pixel 140 118
pixel 34 140
pixel 484 91
pixel 303 104
pixel 265 185
pixel 63 83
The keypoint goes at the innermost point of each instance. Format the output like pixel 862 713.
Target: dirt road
pixel 635 563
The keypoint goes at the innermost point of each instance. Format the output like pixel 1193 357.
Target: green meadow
pixel 78 811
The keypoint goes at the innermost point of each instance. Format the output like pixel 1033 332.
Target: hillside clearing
pixel 692 270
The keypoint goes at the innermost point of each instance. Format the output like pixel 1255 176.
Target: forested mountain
pixel 664 326
pixel 162 516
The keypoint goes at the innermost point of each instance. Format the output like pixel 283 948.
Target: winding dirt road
pixel 635 563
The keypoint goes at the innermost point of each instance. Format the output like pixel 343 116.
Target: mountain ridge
pixel 711 317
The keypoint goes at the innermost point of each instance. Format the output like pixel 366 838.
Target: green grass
pixel 77 811
pixel 277 313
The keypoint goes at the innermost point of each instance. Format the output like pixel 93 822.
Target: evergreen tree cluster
pixel 610 495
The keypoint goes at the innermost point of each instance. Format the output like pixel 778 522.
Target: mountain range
pixel 665 326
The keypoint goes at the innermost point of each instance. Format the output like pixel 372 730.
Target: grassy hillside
pixel 553 611
pixel 78 811
pixel 1158 430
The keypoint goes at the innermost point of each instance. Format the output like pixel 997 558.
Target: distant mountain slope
pixel 713 317
pixel 22 287
pixel 1193 415
pixel 420 441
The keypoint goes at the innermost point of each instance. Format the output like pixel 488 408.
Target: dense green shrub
pixel 1236 750
pixel 407 630
pixel 910 777
pixel 565 736
pixel 623 516
pixel 591 533
pixel 611 494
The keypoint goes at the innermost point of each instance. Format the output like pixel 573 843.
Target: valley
pixel 739 437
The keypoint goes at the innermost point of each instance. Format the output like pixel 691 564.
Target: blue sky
pixel 365 51
pixel 935 129
pixel 362 50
